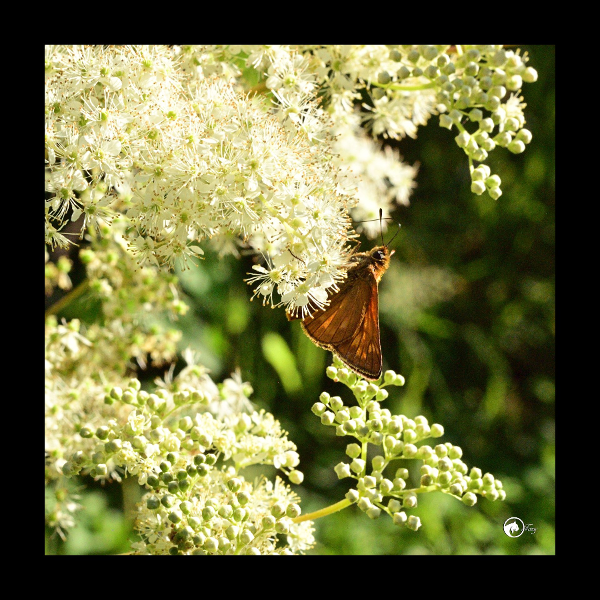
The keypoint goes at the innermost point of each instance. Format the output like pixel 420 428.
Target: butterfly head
pixel 380 260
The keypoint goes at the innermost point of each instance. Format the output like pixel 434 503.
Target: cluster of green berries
pixel 471 95
pixel 399 438
pixel 194 505
pixel 224 523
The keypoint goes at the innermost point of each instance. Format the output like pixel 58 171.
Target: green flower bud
pixel 246 537
pixel 352 495
pixel 68 469
pixel 399 518
pixel 282 527
pixel 456 489
pixel 524 135
pixel 399 483
pixel 327 418
pixel 410 500
pixel 175 516
pixel 318 408
pixel 403 72
pixel 374 512
pixel 343 415
pixel 208 512
pixel 384 78
pixel 478 187
pixel 240 514
pixel 185 507
pixel 469 499
pixel 462 139
pixel 342 470
pixel 116 393
pixel 514 83
pixel 364 504
pixel 211 545
pixel 432 72
pixel 369 482
pixel 493 182
pixel 386 486
pixel 413 522
pixel 113 446
pixel 268 522
pixel 530 75
pixel 378 463
pixel 234 484
pixel 444 478
pixel 424 452
pixel 335 403
pixel 296 477
pixel 278 510
pixel 516 147
pixel 358 465
pixel 224 544
pixel 426 480
pixel 102 432
pixel 491 494
pixel 495 193
pixel 185 423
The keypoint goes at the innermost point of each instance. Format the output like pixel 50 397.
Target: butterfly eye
pixel 379 255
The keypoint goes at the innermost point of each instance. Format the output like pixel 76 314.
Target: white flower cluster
pixel 124 133
pixel 407 84
pixel 168 138
pixel 191 464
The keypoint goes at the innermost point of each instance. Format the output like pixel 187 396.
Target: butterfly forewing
pixel 362 352
pixel 349 326
pixel 342 318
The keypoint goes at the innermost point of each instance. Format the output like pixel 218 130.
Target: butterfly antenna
pixel 397 232
pixel 381 225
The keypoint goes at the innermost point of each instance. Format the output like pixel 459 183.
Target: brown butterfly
pixel 349 325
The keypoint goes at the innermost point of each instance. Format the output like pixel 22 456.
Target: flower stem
pixel 405 88
pixel 66 300
pixel 317 514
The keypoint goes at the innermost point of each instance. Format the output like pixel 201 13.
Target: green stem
pixel 405 88
pixel 317 514
pixel 66 300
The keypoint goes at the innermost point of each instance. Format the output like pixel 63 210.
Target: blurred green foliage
pixel 467 316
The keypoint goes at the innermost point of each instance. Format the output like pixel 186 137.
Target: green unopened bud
pixel 373 512
pixel 399 518
pixel 296 477
pixel 469 499
pixel 342 470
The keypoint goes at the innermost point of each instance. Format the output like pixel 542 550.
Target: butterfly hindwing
pixel 349 326
pixel 342 318
pixel 362 352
